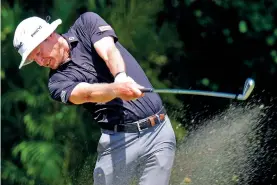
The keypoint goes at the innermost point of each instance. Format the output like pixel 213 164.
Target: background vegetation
pixel 208 45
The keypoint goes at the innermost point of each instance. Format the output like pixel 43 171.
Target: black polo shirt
pixel 87 66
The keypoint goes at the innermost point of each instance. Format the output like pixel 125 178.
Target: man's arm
pixel 103 92
pixel 107 50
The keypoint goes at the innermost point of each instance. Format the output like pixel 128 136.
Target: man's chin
pixel 53 67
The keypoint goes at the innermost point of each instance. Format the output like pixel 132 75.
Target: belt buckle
pixel 158 117
pixel 115 128
pixel 139 129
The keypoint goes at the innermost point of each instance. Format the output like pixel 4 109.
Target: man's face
pixel 49 53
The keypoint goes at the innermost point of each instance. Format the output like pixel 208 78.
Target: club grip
pixel 145 90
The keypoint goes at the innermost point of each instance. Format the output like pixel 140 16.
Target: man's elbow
pixel 80 94
pixel 77 100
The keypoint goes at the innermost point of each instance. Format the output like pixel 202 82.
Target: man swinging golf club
pixel 89 67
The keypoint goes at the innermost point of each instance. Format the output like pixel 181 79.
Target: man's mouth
pixel 48 63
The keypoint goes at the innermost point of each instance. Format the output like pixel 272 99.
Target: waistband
pixel 139 125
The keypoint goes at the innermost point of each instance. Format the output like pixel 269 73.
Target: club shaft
pixel 248 87
pixel 192 92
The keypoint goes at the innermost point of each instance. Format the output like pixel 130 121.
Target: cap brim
pixel 43 35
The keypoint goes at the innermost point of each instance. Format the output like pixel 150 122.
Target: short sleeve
pixel 96 27
pixel 60 87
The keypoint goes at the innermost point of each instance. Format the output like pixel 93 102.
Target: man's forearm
pixel 115 61
pixel 97 93
pixel 102 93
pixel 108 51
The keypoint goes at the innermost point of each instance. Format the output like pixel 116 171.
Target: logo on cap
pixel 36 31
pixel 19 46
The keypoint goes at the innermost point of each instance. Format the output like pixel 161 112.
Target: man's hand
pixel 129 90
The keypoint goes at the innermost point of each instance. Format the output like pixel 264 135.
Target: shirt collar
pixel 70 38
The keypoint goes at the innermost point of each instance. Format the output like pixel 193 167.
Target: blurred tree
pixel 224 42
pixel 209 45
pixel 45 142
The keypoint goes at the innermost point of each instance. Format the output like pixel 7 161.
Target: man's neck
pixel 66 49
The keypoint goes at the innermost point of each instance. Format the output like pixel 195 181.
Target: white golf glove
pixel 122 77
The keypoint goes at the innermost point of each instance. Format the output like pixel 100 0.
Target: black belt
pixel 139 125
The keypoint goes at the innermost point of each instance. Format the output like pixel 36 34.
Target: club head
pixel 247 90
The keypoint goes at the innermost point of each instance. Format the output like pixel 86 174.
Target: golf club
pixel 248 88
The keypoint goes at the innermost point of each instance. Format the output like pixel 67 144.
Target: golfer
pixel 89 67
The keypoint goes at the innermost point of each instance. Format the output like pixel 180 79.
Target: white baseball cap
pixel 30 33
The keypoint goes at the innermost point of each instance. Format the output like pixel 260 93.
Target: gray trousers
pixel 143 158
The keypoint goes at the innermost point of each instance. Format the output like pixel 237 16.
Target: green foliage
pixel 54 143
pixel 46 142
pixel 255 20
pixel 41 159
pixel 243 27
pixel 9 17
pixel 15 175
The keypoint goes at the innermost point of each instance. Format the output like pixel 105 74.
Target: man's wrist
pixel 119 76
pixel 119 73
